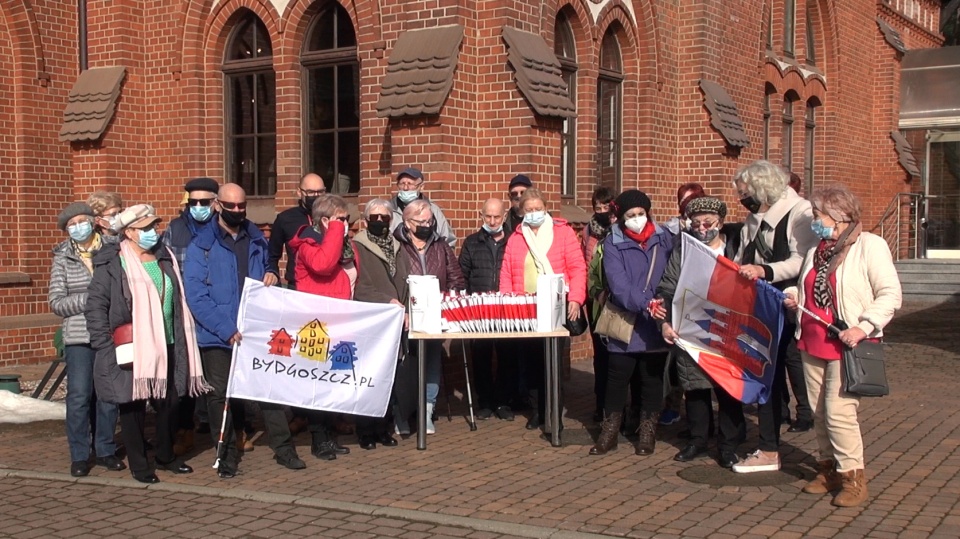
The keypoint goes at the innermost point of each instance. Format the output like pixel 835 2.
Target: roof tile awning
pixel 723 114
pixel 905 152
pixel 420 72
pixel 91 103
pixel 538 75
pixel 928 88
pixel 891 36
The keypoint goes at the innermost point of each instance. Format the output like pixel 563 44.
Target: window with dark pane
pixel 811 39
pixel 609 111
pixel 251 115
pixel 332 100
pixel 768 90
pixel 789 26
pixel 787 136
pixel 809 145
pixel 564 46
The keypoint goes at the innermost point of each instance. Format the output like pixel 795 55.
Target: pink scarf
pixel 149 337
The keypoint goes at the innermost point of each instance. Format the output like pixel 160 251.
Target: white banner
pixel 315 352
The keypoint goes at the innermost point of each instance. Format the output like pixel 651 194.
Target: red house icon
pixel 280 343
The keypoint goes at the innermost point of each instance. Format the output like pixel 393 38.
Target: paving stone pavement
pixel 503 475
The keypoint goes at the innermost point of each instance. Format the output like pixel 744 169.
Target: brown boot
pixel 648 434
pixel 609 433
pixel 183 442
pixel 827 480
pixel 854 489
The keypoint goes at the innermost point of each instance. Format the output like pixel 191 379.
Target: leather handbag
pixel 123 341
pixel 578 326
pixel 864 372
pixel 617 323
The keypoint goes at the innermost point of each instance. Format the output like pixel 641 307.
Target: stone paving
pixel 503 475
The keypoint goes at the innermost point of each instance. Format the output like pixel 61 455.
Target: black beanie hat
pixel 631 198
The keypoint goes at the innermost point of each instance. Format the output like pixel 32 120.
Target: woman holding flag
pixel 848 276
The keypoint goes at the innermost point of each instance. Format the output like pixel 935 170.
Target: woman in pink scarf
pixel 136 310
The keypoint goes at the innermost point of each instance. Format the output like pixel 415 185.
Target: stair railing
pixel 903 226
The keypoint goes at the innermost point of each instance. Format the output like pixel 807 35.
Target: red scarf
pixel 642 236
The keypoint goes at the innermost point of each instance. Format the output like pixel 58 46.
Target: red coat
pixel 318 269
pixel 565 255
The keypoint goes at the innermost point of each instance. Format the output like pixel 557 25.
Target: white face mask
pixel 636 224
pixel 534 218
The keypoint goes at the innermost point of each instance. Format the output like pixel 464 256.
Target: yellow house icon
pixel 313 341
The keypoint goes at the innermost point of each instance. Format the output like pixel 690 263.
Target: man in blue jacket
pixel 218 260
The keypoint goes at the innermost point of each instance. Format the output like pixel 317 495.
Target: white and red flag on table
pixel 728 324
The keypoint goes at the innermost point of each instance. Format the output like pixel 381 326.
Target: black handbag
pixel 864 372
pixel 578 326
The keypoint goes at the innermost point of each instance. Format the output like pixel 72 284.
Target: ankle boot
pixel 854 485
pixel 609 432
pixel 827 479
pixel 648 434
pixel 183 442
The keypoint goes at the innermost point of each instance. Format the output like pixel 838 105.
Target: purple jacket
pixel 626 266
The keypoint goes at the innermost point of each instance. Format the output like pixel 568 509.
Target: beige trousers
pixel 834 413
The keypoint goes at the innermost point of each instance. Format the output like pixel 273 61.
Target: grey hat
pixel 706 205
pixel 71 211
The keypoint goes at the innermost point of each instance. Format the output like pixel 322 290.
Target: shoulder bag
pixel 617 323
pixel 863 369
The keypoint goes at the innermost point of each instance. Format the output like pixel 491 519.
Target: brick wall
pixel 169 122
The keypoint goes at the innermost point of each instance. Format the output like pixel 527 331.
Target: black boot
pixel 609 434
pixel 648 433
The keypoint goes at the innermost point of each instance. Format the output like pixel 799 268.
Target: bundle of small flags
pixel 489 312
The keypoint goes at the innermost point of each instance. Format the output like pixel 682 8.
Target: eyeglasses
pixel 419 222
pixel 378 217
pixel 516 194
pixel 233 205
pixel 200 201
pixel 313 192
pixel 696 225
pixel 406 185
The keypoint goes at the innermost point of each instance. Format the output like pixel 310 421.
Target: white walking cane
pixel 226 409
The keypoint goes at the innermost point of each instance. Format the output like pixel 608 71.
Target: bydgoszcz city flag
pixel 314 352
pixel 728 324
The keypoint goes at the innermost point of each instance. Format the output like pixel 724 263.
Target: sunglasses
pixel 313 192
pixel 696 225
pixel 200 201
pixel 516 194
pixel 345 219
pixel 378 217
pixel 233 205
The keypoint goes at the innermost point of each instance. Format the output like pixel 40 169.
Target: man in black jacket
pixel 289 221
pixel 518 185
pixel 480 260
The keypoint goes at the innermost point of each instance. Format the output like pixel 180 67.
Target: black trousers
pixel 493 388
pixel 133 419
pixel 185 413
pixel 532 354
pixel 319 423
pixel 216 369
pixel 647 369
pixel 601 366
pixel 368 426
pixel 731 425
pixel 699 405
pixel 797 382
pixel 770 414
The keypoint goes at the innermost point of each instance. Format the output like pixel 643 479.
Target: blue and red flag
pixel 728 324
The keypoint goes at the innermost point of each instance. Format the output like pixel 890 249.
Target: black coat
pixel 480 261
pixel 284 229
pixel 109 306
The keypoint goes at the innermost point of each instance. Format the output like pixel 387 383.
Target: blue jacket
pixel 210 281
pixel 181 231
pixel 626 266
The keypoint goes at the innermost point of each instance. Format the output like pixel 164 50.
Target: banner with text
pixel 315 352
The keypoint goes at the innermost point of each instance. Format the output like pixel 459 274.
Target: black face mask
pixel 602 219
pixel 378 228
pixel 233 219
pixel 423 233
pixel 307 203
pixel 751 204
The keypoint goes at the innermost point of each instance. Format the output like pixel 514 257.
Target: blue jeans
pixel 84 410
pixel 433 367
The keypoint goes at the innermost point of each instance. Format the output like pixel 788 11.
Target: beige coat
pixel 799 234
pixel 868 288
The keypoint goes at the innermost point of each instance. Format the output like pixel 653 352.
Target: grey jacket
pixel 69 278
pixel 444 230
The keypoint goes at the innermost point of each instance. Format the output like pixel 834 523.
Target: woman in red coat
pixel 323 256
pixel 542 246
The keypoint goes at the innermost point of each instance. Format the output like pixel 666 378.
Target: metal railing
pixel 903 225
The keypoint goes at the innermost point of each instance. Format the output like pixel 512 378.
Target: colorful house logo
pixel 280 342
pixel 313 341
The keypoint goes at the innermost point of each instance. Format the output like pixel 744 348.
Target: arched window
pixel 564 46
pixel 251 108
pixel 610 111
pixel 768 91
pixel 332 100
pixel 789 26
pixel 811 39
pixel 810 128
pixel 786 139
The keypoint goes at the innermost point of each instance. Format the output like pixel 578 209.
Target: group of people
pixel 175 299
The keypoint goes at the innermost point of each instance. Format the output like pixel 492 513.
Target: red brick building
pixel 574 93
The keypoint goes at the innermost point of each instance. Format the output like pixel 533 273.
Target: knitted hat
pixel 706 205
pixel 71 211
pixel 688 192
pixel 629 199
pixel 520 179
pixel 202 184
pixel 137 216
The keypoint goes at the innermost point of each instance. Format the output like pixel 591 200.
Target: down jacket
pixel 109 306
pixel 69 279
pixel 439 257
pixel 480 261
pixel 565 253
pixel 317 269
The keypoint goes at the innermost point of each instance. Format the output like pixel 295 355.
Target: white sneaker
pixel 431 428
pixel 758 461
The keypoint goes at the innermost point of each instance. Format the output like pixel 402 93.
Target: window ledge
pixel 14 277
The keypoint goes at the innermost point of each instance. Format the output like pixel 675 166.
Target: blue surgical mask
pixel 534 218
pixel 148 239
pixel 201 214
pixel 408 196
pixel 492 230
pixel 822 232
pixel 80 232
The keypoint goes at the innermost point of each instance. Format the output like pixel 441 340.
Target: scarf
pixel 596 229
pixel 536 262
pixel 827 258
pixel 86 255
pixel 642 236
pixel 149 338
pixel 385 243
pixel 346 257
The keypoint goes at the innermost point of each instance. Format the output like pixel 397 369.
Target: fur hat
pixel 71 211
